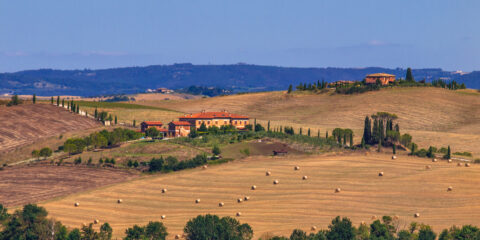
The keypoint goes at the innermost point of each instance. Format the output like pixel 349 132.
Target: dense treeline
pixel 172 164
pixel 32 222
pixel 206 91
pixel 100 139
pixel 384 130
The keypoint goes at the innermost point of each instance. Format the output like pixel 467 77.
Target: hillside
pixel 25 124
pixel 239 77
pixel 432 116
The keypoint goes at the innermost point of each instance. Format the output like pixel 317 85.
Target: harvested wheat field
pixel 433 116
pixel 25 124
pixel 30 184
pixel 405 188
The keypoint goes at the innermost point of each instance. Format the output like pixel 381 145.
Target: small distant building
pixel 164 90
pixel 217 119
pixel 148 124
pixel 179 129
pixel 281 152
pixel 384 78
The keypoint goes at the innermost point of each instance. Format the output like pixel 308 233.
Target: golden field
pixel 406 188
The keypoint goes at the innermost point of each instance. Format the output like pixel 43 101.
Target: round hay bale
pixel 254 187
pixel 428 167
pixel 275 181
pixel 205 166
pixel 220 204
pixel 246 198
pixel 394 157
pixel 337 190
pixel 459 164
pixel 313 228
pixel 164 190
pixel 239 200
pixel 416 215
pixel 177 236
pixel 197 200
pixel 380 174
pixel 163 216
pixel 304 177
pixel 449 189
pixel 296 168
pixel 96 221
pixel 374 217
pixel 119 201
pixel 268 173
pixel 467 164
pixel 449 160
pixel 239 214
pixel 434 160
pixel 76 204
pixel 84 224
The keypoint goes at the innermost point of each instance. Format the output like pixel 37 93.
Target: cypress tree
pixel 78 108
pixel 448 155
pixel 308 132
pixel 290 88
pixel 254 124
pixel 63 102
pixel 351 139
pixel 134 122
pixel 300 131
pixel 34 98
pixel 375 136
pixel 96 115
pixel 318 134
pixel 367 130
pixel 268 126
pixel 381 130
pixel 51 100
pixel 363 142
pixel 394 149
pixel 281 129
pixel 58 101
pixel 344 139
pixel 379 147
pixel 397 128
pixel 115 119
pixel 326 134
pixel 409 76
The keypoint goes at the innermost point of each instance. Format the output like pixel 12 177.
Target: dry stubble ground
pixel 406 188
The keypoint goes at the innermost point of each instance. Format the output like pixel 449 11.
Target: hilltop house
pixel 148 124
pixel 217 119
pixel 384 78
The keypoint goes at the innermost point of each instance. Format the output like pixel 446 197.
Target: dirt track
pixel 31 184
pixel 25 124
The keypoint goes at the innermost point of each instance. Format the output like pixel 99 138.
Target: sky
pixel 95 34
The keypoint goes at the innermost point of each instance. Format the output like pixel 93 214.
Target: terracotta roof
pixel 153 123
pixel 180 123
pixel 380 75
pixel 210 115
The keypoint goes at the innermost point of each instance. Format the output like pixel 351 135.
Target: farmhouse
pixel 179 128
pixel 147 124
pixel 384 78
pixel 217 119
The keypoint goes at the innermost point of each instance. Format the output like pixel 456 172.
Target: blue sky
pixel 67 34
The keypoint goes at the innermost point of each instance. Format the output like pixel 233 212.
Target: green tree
pixel 413 148
pixel 203 128
pixel 289 88
pixel 363 143
pixel 36 154
pixel 45 152
pixel 15 100
pixel 216 150
pixel 341 229
pixel 106 231
pixel 268 126
pixel 363 232
pixel 394 149
pixel 96 115
pixel 134 123
pixel 298 234
pixel 51 100
pixel 58 101
pixel 367 130
pixel 426 233
pixel 152 132
pixel 209 227
pixel 34 99
pixel 448 155
pixel 409 76
pixel 380 231
pixel 28 223
pixel 116 119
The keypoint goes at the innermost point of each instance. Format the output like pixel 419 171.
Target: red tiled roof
pixel 180 123
pixel 210 115
pixel 380 75
pixel 152 123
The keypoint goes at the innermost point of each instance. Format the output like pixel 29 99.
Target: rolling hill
pixel 239 77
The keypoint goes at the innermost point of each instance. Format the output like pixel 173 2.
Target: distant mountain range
pixel 239 77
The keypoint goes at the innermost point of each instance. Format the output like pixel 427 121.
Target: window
pixel 216 122
pixel 225 122
pixel 208 122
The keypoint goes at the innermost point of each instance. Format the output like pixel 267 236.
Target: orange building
pixel 179 128
pixel 215 119
pixel 147 124
pixel 384 78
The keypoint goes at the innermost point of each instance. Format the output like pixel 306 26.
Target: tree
pixel 36 154
pixel 430 153
pixel 413 148
pixel 298 234
pixel 206 227
pixel 308 132
pixel 259 128
pixel 96 115
pixel 448 155
pixel 134 123
pixel 394 149
pixel 34 99
pixel 28 223
pixel 216 150
pixel 363 143
pixel 14 101
pixel 45 152
pixel 203 128
pixel 51 100
pixel 106 231
pixel 268 126
pixel 156 230
pixel 380 231
pixel 289 88
pixel 426 233
pixel 367 130
pixel 115 119
pixel 58 101
pixel 341 229
pixel 152 132
pixel 409 76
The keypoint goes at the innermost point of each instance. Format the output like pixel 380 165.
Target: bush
pixel 212 227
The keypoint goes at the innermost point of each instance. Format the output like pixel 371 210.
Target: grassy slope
pixel 406 188
pixel 433 116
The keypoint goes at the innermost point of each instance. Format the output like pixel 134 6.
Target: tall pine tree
pixel 409 76
pixel 367 130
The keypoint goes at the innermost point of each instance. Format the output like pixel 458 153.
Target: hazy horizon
pixel 110 34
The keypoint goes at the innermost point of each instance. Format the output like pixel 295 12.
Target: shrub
pixel 212 227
